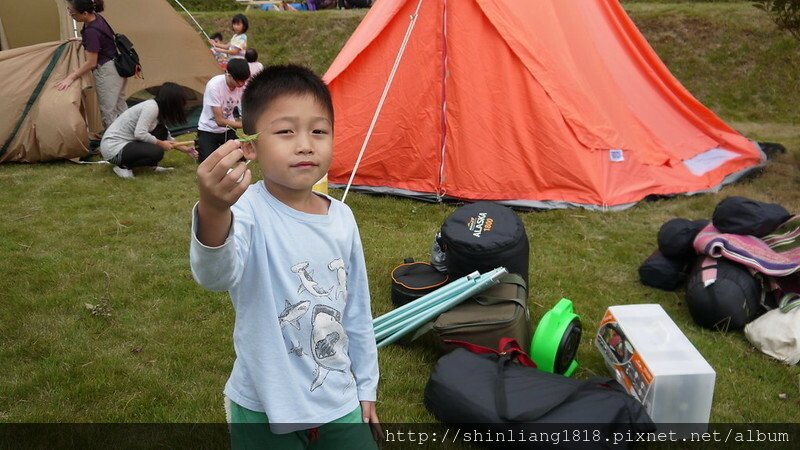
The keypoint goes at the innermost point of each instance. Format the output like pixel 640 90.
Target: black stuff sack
pixel 722 295
pixel 676 238
pixel 661 272
pixel 483 236
pixel 740 215
pixel 500 390
pixel 411 280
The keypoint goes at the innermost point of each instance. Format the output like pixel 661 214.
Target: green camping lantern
pixel 555 343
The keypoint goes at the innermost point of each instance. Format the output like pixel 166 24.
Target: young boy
pixel 223 94
pixel 220 57
pixel 251 56
pixel 293 263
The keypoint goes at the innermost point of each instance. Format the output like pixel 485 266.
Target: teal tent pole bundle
pixel 421 303
pixel 471 285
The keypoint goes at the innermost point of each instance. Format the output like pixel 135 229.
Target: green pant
pixel 250 430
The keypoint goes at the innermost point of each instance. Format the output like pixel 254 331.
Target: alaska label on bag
pixel 480 224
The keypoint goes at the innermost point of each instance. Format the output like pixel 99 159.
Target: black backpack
pixel 127 60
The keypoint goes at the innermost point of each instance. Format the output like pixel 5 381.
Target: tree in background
pixel 785 13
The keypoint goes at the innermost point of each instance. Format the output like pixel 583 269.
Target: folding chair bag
pixel 498 312
pixel 482 236
pixel 411 280
pixel 500 387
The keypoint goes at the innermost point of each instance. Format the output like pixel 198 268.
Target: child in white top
pixel 238 44
pixel 292 260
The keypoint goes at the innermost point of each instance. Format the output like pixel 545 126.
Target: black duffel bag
pixel 483 236
pixel 501 391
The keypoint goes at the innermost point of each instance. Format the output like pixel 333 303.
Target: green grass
pixel 158 347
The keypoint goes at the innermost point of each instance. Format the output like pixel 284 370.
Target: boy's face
pixel 295 144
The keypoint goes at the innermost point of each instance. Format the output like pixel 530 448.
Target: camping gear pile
pixel 481 322
pixel 741 264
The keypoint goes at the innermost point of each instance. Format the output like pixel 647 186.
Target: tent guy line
pixel 409 30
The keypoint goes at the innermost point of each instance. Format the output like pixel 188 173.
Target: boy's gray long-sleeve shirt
pixel 303 336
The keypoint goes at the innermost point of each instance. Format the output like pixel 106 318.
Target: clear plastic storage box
pixel 651 357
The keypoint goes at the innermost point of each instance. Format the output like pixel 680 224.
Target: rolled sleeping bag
pixel 722 295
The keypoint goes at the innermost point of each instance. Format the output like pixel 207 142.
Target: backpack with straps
pixel 127 60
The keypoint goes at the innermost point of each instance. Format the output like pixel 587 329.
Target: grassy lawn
pixel 101 321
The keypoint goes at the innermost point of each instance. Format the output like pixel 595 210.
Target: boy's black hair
pixel 216 36
pixel 90 6
pixel 171 100
pixel 238 69
pixel 276 81
pixel 241 18
pixel 251 55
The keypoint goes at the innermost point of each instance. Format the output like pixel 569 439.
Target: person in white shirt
pixel 293 263
pixel 222 95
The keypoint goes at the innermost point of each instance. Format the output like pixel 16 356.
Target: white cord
pixel 193 19
pixel 383 97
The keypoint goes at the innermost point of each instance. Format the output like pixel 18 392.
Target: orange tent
pixel 543 104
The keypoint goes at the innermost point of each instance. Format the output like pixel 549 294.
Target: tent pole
pixel 383 98
pixel 440 188
pixel 193 19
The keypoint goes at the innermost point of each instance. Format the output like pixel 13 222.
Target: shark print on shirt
pixel 292 313
pixel 328 343
pixel 307 284
pixel 337 265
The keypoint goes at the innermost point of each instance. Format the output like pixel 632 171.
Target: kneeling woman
pixel 139 136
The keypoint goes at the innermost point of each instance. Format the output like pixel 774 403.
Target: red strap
pixel 313 434
pixel 505 347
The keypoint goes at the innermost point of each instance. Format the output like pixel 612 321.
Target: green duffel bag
pixel 498 312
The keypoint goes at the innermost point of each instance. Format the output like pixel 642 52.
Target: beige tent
pixel 39 123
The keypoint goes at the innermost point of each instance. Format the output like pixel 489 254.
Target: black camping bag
pixel 492 390
pixel 740 215
pixel 483 319
pixel 127 60
pixel 411 280
pixel 483 236
pixel 661 272
pixel 730 300
pixel 676 238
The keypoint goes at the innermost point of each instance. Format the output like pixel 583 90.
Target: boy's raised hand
pixel 221 180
